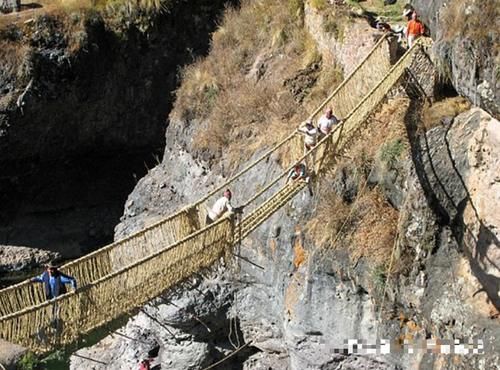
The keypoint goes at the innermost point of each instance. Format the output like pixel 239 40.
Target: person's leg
pixel 208 220
pixel 312 158
pixel 411 39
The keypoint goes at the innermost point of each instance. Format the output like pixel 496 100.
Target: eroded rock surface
pixel 470 59
pixel 295 315
pixel 15 258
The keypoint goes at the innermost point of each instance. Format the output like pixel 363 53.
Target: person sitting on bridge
pixel 221 206
pixel 414 30
pixel 54 281
pixel 326 123
pixel 299 173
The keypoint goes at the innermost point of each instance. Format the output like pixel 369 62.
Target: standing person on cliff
pixel 54 281
pixel 414 30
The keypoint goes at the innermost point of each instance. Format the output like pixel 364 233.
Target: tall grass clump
pixel 474 20
pixel 391 151
pixel 237 94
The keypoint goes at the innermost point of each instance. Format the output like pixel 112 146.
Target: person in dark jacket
pixel 299 172
pixel 54 281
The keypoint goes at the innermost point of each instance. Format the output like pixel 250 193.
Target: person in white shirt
pixel 311 135
pixel 221 206
pixel 326 123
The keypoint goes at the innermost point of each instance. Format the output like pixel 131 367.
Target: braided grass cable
pixel 118 292
pixel 106 262
pixel 379 56
pixel 120 253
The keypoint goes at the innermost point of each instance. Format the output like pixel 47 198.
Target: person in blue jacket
pixel 54 281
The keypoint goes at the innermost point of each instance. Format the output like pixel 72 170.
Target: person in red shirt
pixel 145 364
pixel 414 30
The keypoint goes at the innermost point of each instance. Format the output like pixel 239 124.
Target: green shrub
pixel 391 151
pixel 379 277
pixel 28 362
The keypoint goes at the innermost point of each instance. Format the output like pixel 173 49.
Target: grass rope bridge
pixel 181 223
pixel 134 270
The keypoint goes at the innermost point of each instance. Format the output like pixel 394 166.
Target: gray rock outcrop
pixel 15 258
pixel 295 312
pixel 82 115
pixel 466 42
pixel 294 317
pixel 10 354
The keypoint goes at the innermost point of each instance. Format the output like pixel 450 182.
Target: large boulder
pixel 10 354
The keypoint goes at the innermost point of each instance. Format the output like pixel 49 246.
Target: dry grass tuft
pixel 318 4
pixel 365 228
pixel 433 115
pixel 237 94
pixel 366 225
pixel 386 126
pixel 330 77
pixel 478 21
pixel 132 5
pixel 375 230
pixel 113 10
pixel 12 58
pixel 330 223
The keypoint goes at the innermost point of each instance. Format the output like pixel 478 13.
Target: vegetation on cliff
pixel 261 78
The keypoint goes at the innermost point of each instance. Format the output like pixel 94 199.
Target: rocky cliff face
pixel 83 102
pixel 297 300
pixel 466 42
pixel 295 314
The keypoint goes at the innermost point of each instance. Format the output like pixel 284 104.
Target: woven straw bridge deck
pixel 128 273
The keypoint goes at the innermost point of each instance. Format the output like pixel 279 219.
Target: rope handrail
pixel 190 252
pixel 347 79
pixel 106 247
pixel 184 210
pixel 118 272
pixel 339 128
pixel 336 129
pixel 289 168
pixel 397 65
pixel 311 116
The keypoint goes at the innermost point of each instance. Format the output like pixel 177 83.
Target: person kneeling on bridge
pixel 299 173
pixel 54 281
pixel 220 207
